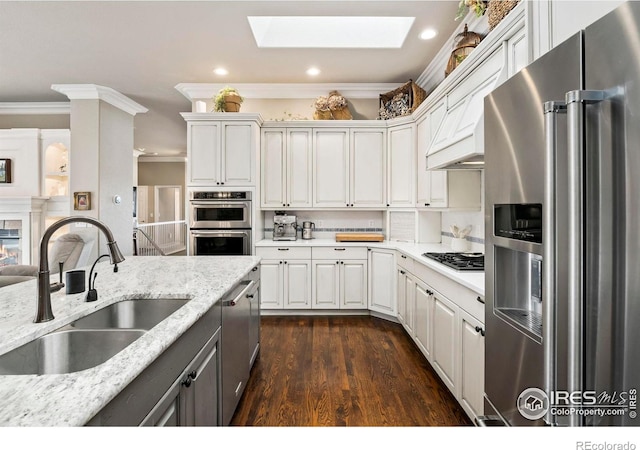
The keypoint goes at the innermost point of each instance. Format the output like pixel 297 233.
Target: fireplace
pixel 10 236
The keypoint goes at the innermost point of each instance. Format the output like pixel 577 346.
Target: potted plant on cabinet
pixel 227 100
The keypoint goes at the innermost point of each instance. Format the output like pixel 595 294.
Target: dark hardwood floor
pixel 343 371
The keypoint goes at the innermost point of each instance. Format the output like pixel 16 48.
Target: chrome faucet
pixel 44 313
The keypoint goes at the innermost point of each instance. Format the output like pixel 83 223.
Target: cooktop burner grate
pixel 459 261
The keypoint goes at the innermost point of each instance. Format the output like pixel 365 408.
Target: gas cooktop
pixel 459 261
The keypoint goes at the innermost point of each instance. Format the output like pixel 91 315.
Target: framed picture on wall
pixel 5 171
pixel 82 201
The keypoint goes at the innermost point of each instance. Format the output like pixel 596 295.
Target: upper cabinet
pixel 331 167
pixel 286 167
pixel 402 172
pixel 221 149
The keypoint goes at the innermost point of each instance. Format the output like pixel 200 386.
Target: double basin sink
pixel 90 340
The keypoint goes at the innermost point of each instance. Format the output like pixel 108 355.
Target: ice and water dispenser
pixel 518 283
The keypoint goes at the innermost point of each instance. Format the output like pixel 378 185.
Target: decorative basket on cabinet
pixel 401 101
pixel 498 9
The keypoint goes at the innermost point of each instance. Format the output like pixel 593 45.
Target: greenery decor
pixel 478 6
pixel 227 100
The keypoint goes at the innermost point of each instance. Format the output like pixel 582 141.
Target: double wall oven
pixel 220 223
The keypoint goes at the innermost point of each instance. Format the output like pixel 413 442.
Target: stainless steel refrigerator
pixel 562 216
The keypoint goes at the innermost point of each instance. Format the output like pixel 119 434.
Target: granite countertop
pixel 470 280
pixel 72 399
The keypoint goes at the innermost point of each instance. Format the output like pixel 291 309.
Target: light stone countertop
pixel 470 280
pixel 73 399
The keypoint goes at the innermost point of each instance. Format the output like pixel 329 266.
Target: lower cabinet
pixel 406 300
pixel 423 319
pixel 286 284
pixel 471 363
pixel 382 281
pixel 340 284
pixel 445 340
pixel 193 398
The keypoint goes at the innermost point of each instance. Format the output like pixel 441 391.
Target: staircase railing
pixel 160 238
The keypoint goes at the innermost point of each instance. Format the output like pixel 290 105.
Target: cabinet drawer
pixel 284 252
pixel 406 262
pixel 339 252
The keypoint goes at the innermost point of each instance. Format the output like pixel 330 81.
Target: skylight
pixel 329 31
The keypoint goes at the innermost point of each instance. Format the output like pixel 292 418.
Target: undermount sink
pixel 90 340
pixel 66 351
pixel 141 314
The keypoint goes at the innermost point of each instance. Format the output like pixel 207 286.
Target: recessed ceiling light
pixel 329 31
pixel 313 71
pixel 221 71
pixel 429 33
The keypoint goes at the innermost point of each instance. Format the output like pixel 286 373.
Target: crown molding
pixel 197 91
pixel 96 92
pixel 34 108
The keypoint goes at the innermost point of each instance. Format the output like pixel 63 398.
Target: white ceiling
pixel 143 49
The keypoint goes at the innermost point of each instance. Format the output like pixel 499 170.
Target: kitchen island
pixel 73 399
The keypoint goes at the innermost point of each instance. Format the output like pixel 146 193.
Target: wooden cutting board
pixel 359 237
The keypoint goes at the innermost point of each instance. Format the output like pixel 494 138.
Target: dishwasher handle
pixel 236 299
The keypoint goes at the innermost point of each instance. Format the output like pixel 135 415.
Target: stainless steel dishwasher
pixel 235 353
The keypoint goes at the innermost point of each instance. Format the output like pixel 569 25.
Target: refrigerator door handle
pixel 549 330
pixel 576 103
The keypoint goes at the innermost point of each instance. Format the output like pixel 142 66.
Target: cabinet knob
pixel 388 204
pixel 218 183
pixel 222 182
pixel 254 269
pixel 368 249
pixel 402 272
pixel 193 374
pixel 337 262
pixel 280 262
pixel 187 382
pixel 285 262
pixel 341 262
pixel 480 330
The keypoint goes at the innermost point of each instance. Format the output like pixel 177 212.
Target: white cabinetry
pixel 423 318
pixel 331 167
pixel 286 172
pixel 340 284
pixel 406 300
pixel 382 287
pixel 445 340
pixel 401 173
pixel 285 277
pixel 349 167
pixel 221 152
pixel 471 363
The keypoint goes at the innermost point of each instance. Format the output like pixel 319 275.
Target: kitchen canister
pixel 459 245
pixel 75 281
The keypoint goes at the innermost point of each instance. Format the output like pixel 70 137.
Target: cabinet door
pixel 353 284
pixel 297 282
pixel 272 284
pixel 200 387
pixel 299 168
pixel 238 155
pixel 166 413
pixel 401 294
pixel 325 284
pixel 401 166
pixel 331 168
pixel 424 312
pixel 438 189
pixel 425 131
pixel 471 365
pixel 204 153
pixel 410 304
pixel 273 167
pixel 517 52
pixel 445 319
pixel 254 326
pixel 368 168
pixel 382 279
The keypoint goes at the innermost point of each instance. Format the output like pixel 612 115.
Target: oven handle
pixel 217 204
pixel 222 233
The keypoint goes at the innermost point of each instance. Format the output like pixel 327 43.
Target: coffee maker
pixel 285 227
pixel 307 230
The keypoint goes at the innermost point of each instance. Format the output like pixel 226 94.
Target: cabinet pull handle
pixel 283 249
pixel 478 298
pixel 426 204
pixel 402 272
pixel 480 330
pixel 249 295
pixel 339 249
